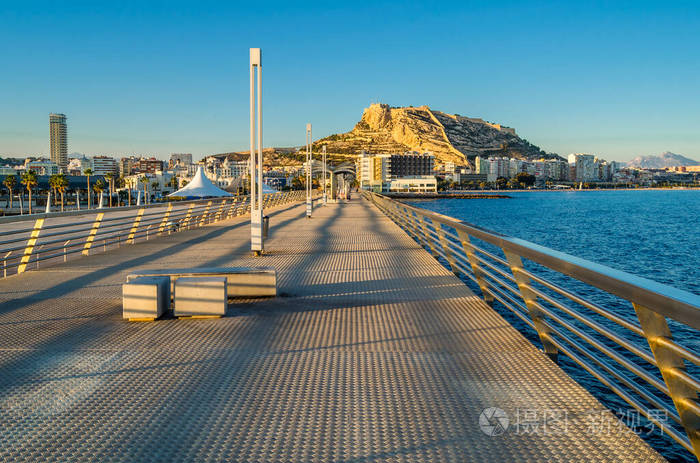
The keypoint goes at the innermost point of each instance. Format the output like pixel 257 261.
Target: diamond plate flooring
pixel 372 352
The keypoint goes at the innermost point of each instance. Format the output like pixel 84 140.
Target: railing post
pixel 217 217
pixel 476 269
pixel 427 239
pixel 30 245
pixel 530 298
pixel 186 222
pixel 203 219
pixel 409 222
pixel 4 264
pixel 164 222
pixel 233 207
pixel 446 248
pixel 93 233
pixel 672 366
pixel 135 226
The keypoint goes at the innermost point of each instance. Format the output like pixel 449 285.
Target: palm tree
pixel 10 183
pixel 62 185
pixel 29 181
pixel 88 173
pixel 145 182
pixel 119 182
pixel 99 186
pixel 110 180
pixel 53 185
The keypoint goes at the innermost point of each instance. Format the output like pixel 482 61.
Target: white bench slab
pixel 241 281
pixel 200 297
pixel 145 298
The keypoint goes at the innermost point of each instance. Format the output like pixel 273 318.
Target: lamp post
pixel 309 171
pixel 325 197
pixel 256 210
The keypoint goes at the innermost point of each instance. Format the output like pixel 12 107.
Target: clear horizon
pixel 618 81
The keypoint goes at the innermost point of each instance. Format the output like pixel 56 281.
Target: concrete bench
pixel 241 281
pixel 145 298
pixel 200 297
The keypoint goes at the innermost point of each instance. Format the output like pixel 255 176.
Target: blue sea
pixel 650 233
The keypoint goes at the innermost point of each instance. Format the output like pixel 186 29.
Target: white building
pixel 180 158
pixel 80 164
pixel 103 165
pixel 417 184
pixel 584 167
pixel 498 167
pixel 42 167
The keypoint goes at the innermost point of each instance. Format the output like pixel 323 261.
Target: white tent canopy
pixel 200 187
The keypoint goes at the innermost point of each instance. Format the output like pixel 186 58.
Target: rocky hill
pixel 450 137
pixel 662 161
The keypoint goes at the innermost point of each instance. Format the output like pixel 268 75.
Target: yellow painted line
pixel 31 242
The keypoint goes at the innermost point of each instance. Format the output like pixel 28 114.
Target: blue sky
pixel 618 79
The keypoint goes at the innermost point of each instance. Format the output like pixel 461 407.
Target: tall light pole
pixel 256 210
pixel 325 197
pixel 309 171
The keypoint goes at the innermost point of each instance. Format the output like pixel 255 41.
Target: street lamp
pixel 256 210
pixel 325 197
pixel 309 171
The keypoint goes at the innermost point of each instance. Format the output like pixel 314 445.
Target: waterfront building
pixel 58 134
pixel 471 177
pixel 180 158
pixel 7 170
pixel 481 165
pixel 103 165
pixel 515 166
pixel 414 184
pixel 78 165
pixel 42 166
pixel 148 165
pixel 127 166
pixel 402 172
pixel 549 169
pixel 498 167
pixel 584 168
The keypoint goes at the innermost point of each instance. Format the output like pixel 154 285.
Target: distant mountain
pixel 450 137
pixel 662 161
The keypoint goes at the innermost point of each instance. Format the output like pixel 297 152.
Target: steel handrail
pixel 110 226
pixel 449 241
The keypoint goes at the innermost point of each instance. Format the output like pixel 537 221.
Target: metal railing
pixel 57 236
pixel 630 349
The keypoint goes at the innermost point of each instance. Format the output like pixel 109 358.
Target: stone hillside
pixel 449 137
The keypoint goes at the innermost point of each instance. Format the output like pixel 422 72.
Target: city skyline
pixel 616 81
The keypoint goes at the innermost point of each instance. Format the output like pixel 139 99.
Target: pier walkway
pixel 372 352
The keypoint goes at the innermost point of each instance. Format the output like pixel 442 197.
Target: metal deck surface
pixel 372 352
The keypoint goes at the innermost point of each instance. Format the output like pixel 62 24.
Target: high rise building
pixel 58 131
pixel 584 169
